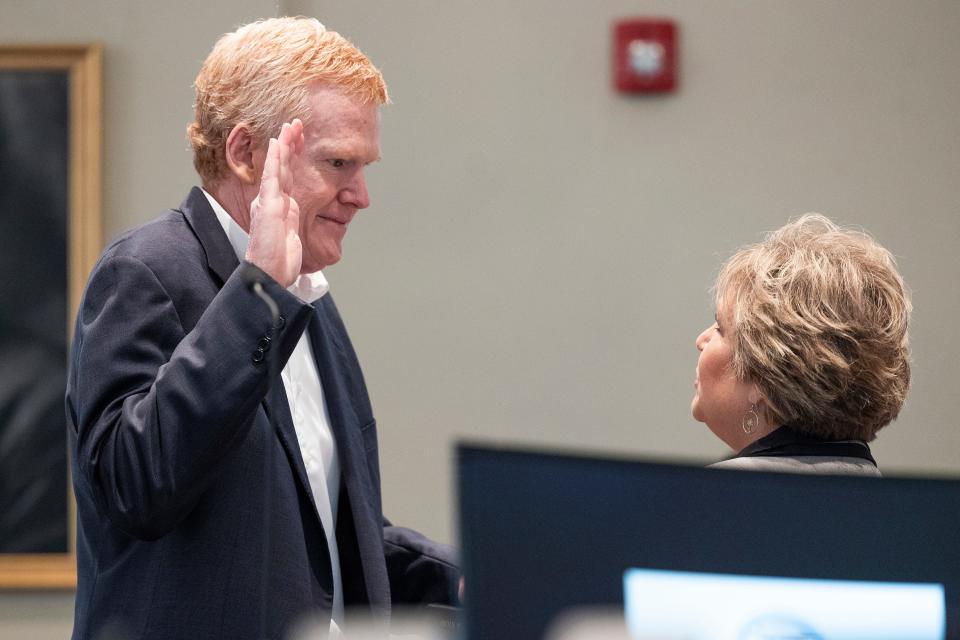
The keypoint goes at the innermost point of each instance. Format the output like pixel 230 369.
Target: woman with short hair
pixel 808 357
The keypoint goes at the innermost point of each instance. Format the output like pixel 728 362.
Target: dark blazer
pixel 195 518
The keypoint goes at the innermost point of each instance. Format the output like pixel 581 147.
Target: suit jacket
pixel 195 518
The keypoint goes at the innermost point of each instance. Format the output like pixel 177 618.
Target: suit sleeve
pixel 421 571
pixel 157 409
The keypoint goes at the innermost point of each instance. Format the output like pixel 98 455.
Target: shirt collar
pixel 309 287
pixel 787 441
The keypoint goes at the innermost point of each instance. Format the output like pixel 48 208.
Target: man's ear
pixel 240 154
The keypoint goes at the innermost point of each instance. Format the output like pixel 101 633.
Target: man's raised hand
pixel 274 214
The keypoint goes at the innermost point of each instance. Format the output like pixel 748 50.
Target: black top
pixel 786 442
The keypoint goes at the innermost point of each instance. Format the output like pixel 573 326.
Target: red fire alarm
pixel 645 55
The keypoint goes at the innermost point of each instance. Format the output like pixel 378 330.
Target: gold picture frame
pixel 82 65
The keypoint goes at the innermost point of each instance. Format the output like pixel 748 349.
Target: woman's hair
pixel 262 74
pixel 820 318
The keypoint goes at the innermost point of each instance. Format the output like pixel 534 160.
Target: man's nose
pixel 355 194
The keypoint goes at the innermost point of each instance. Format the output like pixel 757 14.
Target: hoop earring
pixel 751 420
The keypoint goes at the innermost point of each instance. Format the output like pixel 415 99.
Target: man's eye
pixel 337 163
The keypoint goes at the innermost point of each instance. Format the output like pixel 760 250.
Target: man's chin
pixel 312 266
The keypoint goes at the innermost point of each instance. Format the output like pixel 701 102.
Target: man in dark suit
pixel 224 448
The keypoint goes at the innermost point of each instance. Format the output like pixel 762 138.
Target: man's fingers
pixel 298 137
pixel 270 180
pixel 293 214
pixel 276 182
pixel 285 172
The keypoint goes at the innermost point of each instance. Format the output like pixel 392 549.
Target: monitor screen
pixel 713 606
pixel 542 533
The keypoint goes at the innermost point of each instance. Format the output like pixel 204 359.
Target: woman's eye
pixel 337 163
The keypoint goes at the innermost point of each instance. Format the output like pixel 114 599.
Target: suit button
pixel 257 356
pixel 264 344
pixel 280 323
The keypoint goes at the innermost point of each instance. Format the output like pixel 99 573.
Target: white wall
pixel 536 262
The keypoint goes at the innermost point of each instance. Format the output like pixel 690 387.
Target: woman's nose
pixel 703 338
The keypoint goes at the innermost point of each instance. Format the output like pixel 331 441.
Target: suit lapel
pixel 349 410
pixel 278 409
pixel 222 260
pixel 221 257
pixel 349 413
pixel 343 419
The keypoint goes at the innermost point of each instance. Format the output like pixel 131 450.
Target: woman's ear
pixel 239 154
pixel 754 394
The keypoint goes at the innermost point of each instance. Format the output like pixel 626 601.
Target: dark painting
pixel 34 153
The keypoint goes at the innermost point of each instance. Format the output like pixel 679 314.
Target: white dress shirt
pixel 309 410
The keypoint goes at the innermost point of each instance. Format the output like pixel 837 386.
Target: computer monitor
pixel 542 533
pixel 714 606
